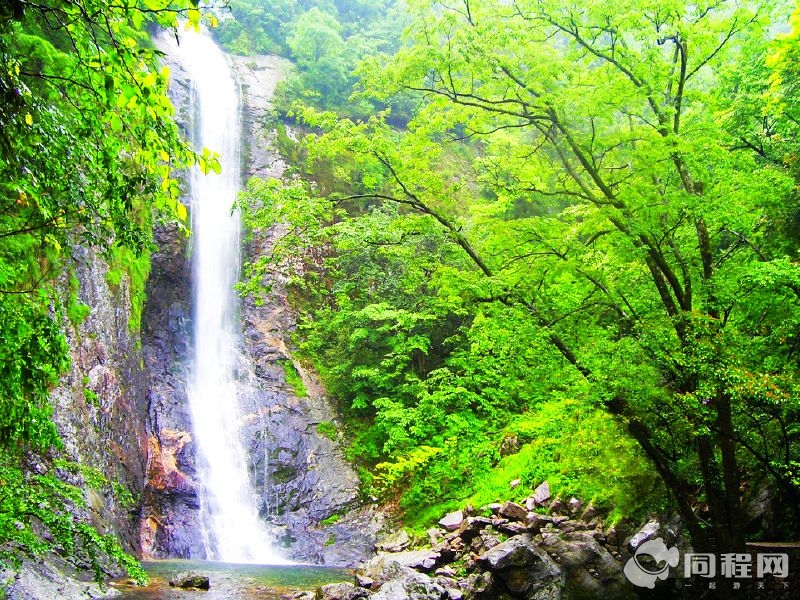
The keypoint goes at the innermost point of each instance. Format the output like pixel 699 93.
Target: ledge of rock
pixel 49 579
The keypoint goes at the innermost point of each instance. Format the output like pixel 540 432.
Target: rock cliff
pixel 122 407
pixel 99 405
pixel 300 474
pixel 99 410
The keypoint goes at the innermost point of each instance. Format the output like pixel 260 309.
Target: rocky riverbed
pixel 536 550
pixel 542 548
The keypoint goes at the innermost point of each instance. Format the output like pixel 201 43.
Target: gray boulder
pixel 403 583
pixel 396 542
pixel 513 511
pixel 574 505
pixel 527 570
pixel 422 560
pixel 589 513
pixel 364 581
pixel 590 571
pixel 384 567
pixel 452 521
pixel 543 584
pixel 541 494
pixel 648 532
pixel 518 551
pixel 513 528
pixel 391 590
pixel 190 580
pixel 471 526
pixel 434 535
pixel 479 586
pixel 340 591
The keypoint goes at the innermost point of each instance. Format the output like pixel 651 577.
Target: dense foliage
pixel 88 146
pixel 592 216
pixel 325 41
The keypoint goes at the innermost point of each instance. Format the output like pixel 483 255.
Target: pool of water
pixel 230 581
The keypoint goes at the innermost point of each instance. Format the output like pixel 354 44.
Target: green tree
pixel 319 52
pixel 88 151
pixel 608 200
pixel 88 144
pixel 257 26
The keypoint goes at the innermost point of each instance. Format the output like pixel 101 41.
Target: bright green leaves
pixel 193 19
pixel 98 107
pixel 32 357
pixel 33 503
pixel 388 476
pixel 208 162
pixel 316 36
pixel 319 50
pixel 325 43
pixel 182 212
pixel 588 201
pixel 599 462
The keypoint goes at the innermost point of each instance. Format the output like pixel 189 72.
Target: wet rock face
pixel 49 579
pixel 294 467
pixel 258 76
pixel 300 475
pixel 99 405
pixel 169 524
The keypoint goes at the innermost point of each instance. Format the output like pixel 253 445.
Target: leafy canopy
pixel 605 173
pixel 88 153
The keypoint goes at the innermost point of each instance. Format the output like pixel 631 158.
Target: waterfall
pixel 233 531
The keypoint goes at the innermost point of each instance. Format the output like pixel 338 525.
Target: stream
pixel 231 581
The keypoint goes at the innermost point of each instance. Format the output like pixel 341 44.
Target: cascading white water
pixel 234 531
